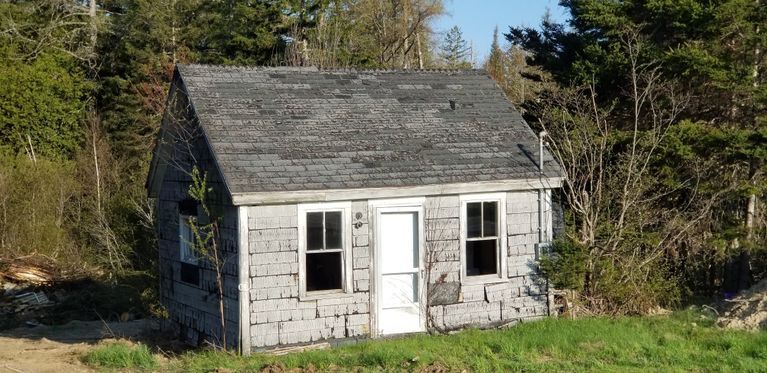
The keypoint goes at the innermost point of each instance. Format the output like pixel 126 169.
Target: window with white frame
pixel 325 241
pixel 482 235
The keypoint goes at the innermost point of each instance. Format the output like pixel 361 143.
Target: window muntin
pixel 324 250
pixel 482 239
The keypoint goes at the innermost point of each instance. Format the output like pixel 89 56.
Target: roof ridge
pixel 435 70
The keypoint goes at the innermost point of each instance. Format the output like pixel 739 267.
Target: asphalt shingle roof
pixel 284 129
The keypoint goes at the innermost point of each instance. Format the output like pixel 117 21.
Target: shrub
pixel 565 265
pixel 35 207
pixel 610 284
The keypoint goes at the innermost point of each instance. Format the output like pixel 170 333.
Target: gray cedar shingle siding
pixel 284 129
pixel 279 317
pixel 193 309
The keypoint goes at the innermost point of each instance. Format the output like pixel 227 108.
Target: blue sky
pixel 478 18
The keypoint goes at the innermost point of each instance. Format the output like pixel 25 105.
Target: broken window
pixel 324 250
pixel 481 238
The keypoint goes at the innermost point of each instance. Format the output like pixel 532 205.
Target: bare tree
pixel 207 238
pixel 607 156
pixel 70 27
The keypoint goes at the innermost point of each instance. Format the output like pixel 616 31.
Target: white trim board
pixel 243 261
pixel 298 196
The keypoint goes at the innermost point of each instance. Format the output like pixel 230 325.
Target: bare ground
pixel 748 310
pixel 58 349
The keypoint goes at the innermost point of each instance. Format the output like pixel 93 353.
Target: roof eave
pixel 297 196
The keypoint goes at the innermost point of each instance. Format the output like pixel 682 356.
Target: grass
pixel 685 341
pixel 121 356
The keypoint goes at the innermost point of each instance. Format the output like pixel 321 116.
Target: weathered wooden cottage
pixel 353 204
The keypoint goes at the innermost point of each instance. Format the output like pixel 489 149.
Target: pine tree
pixel 455 51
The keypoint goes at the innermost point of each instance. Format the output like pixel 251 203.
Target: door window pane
pixel 399 290
pixel 323 271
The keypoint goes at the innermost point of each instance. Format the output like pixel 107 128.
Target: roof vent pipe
pixel 541 135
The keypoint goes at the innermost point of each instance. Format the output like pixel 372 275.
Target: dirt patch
pixel 746 311
pixel 58 349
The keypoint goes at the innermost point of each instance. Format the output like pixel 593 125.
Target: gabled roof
pixel 303 129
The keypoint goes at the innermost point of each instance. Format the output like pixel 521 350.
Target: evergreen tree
pixel 454 50
pixel 712 50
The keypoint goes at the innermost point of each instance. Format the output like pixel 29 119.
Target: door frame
pixel 375 208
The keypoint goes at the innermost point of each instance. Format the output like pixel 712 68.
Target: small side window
pixel 189 270
pixel 186 239
pixel 481 238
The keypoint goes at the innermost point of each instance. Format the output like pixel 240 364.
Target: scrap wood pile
pixel 20 283
pixel 748 310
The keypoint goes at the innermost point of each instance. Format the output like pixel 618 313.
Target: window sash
pixel 324 249
pixel 479 231
pixel 488 238
pixel 310 252
pixel 481 217
pixel 342 231
pixel 186 240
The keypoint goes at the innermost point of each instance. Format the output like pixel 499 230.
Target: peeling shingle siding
pixel 193 309
pixel 279 317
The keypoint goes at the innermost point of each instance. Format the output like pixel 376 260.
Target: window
pixel 189 271
pixel 186 239
pixel 325 242
pixel 482 235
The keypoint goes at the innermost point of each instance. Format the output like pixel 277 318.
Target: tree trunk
pixel 97 169
pixel 418 50
pixel 405 33
pixel 94 27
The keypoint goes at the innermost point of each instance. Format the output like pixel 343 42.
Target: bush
pixel 121 356
pixel 609 284
pixel 565 265
pixel 35 208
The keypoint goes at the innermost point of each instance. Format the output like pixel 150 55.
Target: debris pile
pixel 21 289
pixel 27 301
pixel 748 310
pixel 17 272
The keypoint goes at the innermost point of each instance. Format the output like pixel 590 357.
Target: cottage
pixel 353 204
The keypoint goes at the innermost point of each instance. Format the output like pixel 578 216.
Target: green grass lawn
pixel 685 341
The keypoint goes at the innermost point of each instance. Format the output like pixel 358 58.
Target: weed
pixel 121 356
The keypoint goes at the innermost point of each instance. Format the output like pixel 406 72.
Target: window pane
pixel 490 219
pixel 474 219
pixel 323 271
pixel 481 257
pixel 314 231
pixel 333 230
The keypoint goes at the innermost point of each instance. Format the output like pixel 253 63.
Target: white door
pixel 399 291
